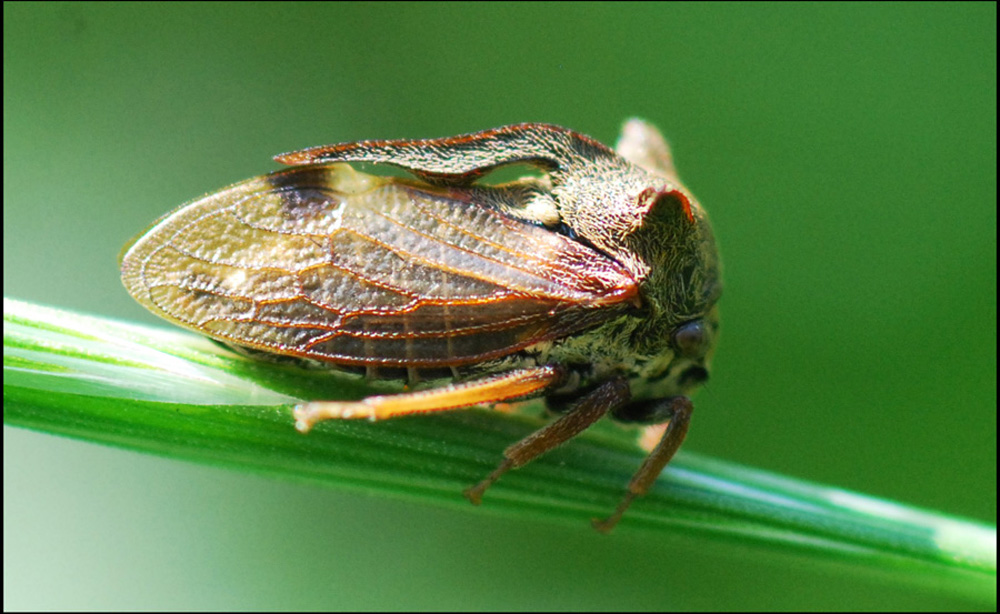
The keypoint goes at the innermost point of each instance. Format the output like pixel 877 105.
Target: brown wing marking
pixel 327 263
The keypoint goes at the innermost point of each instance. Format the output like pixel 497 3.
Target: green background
pixel 847 155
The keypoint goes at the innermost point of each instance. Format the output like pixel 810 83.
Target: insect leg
pixel 460 160
pixel 505 386
pixel 587 411
pixel 679 408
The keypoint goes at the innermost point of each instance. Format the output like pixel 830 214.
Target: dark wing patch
pixel 331 264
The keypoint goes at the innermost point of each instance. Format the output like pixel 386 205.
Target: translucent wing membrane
pixel 327 263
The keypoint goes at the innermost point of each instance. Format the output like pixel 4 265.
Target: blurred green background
pixel 847 155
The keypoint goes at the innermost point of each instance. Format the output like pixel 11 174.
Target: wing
pixel 328 263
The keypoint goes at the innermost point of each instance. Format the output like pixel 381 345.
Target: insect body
pixel 593 285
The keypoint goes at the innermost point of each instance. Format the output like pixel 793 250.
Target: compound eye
pixel 691 339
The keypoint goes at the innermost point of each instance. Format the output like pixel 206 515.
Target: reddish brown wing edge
pixel 408 276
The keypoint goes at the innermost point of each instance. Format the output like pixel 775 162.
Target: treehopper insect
pixel 593 285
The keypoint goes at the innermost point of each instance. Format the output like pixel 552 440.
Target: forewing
pixel 327 263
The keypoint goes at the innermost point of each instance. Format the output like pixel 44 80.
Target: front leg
pixel 592 407
pixel 675 409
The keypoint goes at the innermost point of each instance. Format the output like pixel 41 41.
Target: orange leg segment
pixel 503 387
pixel 513 385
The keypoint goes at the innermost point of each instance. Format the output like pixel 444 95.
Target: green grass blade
pixel 181 396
